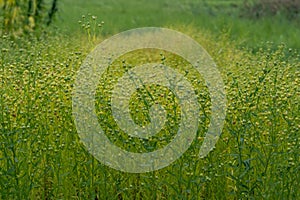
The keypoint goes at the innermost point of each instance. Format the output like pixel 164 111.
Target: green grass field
pixel 217 17
pixel 256 157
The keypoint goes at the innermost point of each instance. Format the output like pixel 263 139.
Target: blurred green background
pixel 232 17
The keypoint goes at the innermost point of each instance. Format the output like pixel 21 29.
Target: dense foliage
pixel 25 15
pixel 42 157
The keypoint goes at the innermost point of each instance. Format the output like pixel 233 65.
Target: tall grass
pixel 41 156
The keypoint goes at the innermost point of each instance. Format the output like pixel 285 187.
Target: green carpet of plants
pixel 257 156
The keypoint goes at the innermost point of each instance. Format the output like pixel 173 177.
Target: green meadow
pixel 256 157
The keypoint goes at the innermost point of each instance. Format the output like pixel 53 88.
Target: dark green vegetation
pixel 257 156
pixel 19 17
